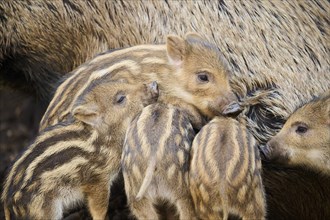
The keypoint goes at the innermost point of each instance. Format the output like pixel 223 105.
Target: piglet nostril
pixel 232 108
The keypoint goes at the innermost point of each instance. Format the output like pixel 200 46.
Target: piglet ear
pixel 87 113
pixel 194 36
pixel 176 49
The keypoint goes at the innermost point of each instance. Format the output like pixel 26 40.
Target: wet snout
pixel 273 151
pixel 232 108
pixel 227 104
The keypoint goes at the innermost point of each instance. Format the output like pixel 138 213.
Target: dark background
pixel 19 119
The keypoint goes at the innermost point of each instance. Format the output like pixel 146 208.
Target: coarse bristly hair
pixel 273 45
pixel 176 66
pixel 284 42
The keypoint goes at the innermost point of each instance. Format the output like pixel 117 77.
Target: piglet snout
pixel 265 152
pixel 228 104
pixel 232 108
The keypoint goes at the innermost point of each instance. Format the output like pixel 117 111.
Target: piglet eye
pixel 203 77
pixel 120 99
pixel 301 129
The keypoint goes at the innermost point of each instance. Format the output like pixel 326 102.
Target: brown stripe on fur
pixel 39 148
pixel 59 105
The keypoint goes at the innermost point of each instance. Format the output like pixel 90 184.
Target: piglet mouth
pixel 227 109
pixel 214 111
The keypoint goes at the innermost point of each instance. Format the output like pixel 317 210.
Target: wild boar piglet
pixel 225 172
pixel 189 69
pixel 305 137
pixel 75 161
pixel 155 161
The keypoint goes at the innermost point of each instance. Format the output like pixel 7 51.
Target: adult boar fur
pixel 270 44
